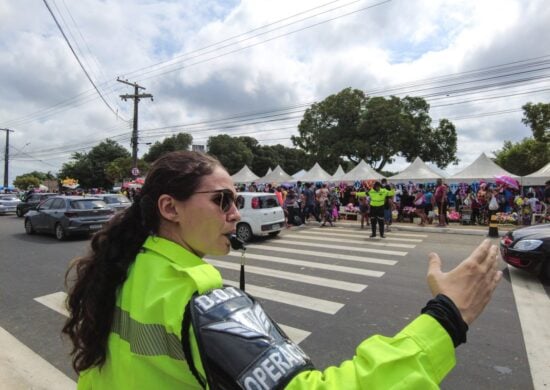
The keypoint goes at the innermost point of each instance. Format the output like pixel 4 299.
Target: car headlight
pixel 527 245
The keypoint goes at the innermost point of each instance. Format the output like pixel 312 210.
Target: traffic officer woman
pixel 148 312
pixel 378 195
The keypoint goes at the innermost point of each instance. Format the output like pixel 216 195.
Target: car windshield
pixel 8 197
pixel 116 199
pixel 265 202
pixel 87 204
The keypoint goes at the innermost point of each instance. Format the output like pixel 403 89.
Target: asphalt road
pixel 381 289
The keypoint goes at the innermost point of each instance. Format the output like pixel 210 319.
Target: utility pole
pixel 136 96
pixel 7 156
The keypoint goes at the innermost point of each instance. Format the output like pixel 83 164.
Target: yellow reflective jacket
pixel 377 198
pixel 144 347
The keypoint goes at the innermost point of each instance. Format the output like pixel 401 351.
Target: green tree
pixel 352 126
pixel 232 152
pixel 121 169
pixel 26 181
pixel 90 168
pixel 329 128
pixel 523 158
pixel 180 141
pixel 537 116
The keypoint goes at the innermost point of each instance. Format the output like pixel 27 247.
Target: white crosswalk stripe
pixel 359 234
pixel 325 282
pixel 292 241
pixel 314 264
pixel 315 236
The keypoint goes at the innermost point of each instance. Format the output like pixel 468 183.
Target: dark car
pixel 32 201
pixel 68 215
pixel 528 248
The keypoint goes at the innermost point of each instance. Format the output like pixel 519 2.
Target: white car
pixel 8 203
pixel 261 215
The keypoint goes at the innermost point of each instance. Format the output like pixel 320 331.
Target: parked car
pixel 118 202
pixel 67 215
pixel 528 248
pixel 261 215
pixel 8 203
pixel 32 201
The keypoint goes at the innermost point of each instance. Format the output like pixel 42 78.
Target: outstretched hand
pixel 471 284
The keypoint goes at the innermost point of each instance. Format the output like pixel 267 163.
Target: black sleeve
pixel 443 309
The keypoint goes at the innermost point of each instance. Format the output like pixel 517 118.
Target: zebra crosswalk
pixel 305 257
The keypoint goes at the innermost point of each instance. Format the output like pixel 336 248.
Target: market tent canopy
pixel 362 171
pixel 338 175
pixel 277 176
pixel 482 168
pixel 298 175
pixel 538 178
pixel 316 173
pixel 417 171
pixel 245 175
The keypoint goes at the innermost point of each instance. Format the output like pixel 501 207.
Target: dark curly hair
pixel 100 273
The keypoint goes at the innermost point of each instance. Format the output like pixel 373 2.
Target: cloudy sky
pixel 251 67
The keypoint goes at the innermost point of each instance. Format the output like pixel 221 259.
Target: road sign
pixel 135 171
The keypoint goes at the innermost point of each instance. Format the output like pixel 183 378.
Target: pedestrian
pixel 377 196
pixel 146 311
pixel 440 199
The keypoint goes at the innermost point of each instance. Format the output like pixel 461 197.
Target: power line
pixel 78 59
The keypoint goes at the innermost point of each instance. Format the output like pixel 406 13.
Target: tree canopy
pixel 353 126
pixel 180 141
pixel 232 152
pixel 530 154
pixel 90 168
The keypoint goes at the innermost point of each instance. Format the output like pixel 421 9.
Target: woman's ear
pixel 167 208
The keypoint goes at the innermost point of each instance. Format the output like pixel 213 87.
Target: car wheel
pixel 19 213
pixel 244 232
pixel 28 227
pixel 273 234
pixel 60 232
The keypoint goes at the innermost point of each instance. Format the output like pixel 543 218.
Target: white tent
pixel 418 171
pixel 338 175
pixel 482 168
pixel 362 171
pixel 245 175
pixel 277 176
pixel 298 175
pixel 538 178
pixel 316 173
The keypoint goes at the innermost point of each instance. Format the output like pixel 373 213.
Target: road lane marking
pixel 367 228
pixel 313 236
pixel 320 247
pixel 317 253
pixel 298 300
pixel 308 279
pixel 55 301
pixel 533 308
pixel 295 334
pixel 22 368
pixel 312 264
pixel 359 234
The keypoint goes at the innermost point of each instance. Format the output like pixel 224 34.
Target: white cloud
pixel 390 44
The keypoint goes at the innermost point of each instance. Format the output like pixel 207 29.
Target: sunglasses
pixel 224 198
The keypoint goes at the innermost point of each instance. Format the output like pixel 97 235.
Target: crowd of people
pixel 428 204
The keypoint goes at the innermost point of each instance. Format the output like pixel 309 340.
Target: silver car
pixel 67 215
pixel 8 203
pixel 118 202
